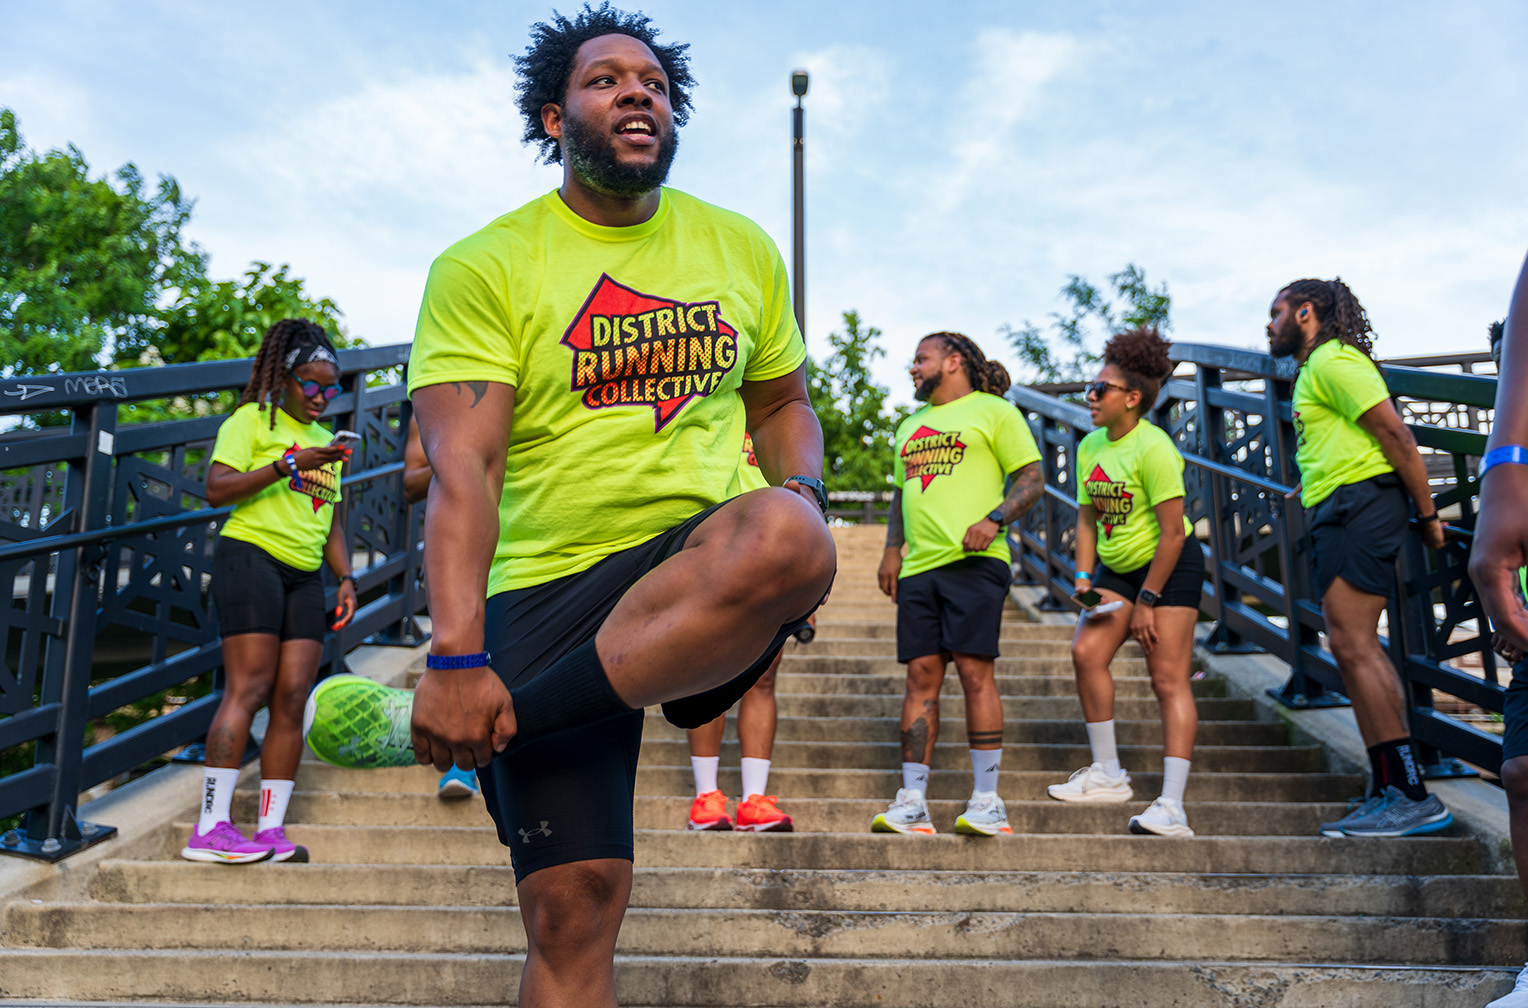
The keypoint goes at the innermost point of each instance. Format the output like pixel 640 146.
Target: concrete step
pixel 1016 756
pixel 1491 896
pixel 862 679
pixel 349 977
pixel 953 705
pixel 459 845
pixel 789 933
pixel 884 626
pixel 1008 666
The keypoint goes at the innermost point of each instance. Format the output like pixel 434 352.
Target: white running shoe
pixel 985 815
pixel 1093 786
pixel 1164 818
pixel 908 814
pixel 1517 997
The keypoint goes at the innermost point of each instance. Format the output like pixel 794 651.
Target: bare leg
pixel 1352 631
pixel 249 670
pixel 707 739
pixel 920 707
pixel 572 914
pixel 757 716
pixel 1093 648
pixel 984 707
pixel 1170 663
pixel 282 747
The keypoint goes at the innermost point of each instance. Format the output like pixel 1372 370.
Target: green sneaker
pixel 351 721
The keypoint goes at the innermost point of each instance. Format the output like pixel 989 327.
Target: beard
pixel 927 386
pixel 594 160
pixel 1285 341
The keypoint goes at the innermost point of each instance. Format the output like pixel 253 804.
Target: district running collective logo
pixel 930 453
pixel 322 485
pixel 1111 499
pixel 631 348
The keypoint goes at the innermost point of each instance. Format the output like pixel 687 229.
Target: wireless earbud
pixel 1302 312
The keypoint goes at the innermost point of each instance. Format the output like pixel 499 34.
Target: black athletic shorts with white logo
pixel 1357 532
pixel 256 593
pixel 568 797
pixel 1184 582
pixel 957 607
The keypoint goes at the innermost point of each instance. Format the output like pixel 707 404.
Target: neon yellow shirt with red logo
pixel 749 475
pixel 1125 480
pixel 626 348
pixel 951 463
pixel 1337 385
pixel 289 522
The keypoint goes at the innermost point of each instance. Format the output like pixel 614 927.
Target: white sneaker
pixel 985 815
pixel 1092 785
pixel 1165 817
pixel 908 814
pixel 1517 997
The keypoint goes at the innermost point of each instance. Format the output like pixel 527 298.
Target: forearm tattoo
pixel 894 520
pixel 1028 485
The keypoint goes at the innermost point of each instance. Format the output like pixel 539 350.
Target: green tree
pixel 857 428
pixel 1063 355
pixel 84 263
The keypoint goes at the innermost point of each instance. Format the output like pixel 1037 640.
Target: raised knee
pixel 788 531
pixel 581 912
pixel 1514 779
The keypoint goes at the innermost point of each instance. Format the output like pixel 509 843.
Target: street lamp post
pixel 798 153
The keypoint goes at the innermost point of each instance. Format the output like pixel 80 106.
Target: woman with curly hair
pixel 1150 568
pixel 281 470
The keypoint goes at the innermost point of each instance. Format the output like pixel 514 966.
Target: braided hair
pixel 1141 356
pixel 985 375
pixel 547 66
pixel 267 380
pixel 1338 313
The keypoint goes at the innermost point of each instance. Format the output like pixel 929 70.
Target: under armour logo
pixel 526 834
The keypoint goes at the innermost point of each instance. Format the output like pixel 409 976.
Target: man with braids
pixel 1129 479
pixel 275 464
pixel 949 507
pixel 583 371
pixel 1360 474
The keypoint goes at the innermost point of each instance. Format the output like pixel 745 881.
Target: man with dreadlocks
pixel 583 371
pixel 276 465
pixel 949 507
pixel 1360 473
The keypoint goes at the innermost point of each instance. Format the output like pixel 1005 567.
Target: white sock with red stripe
pixel 274 795
pixel 217 797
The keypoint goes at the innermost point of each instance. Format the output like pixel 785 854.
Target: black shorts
pixel 1184 582
pixel 1514 738
pixel 1356 534
pixel 568 797
pixel 256 593
pixel 957 607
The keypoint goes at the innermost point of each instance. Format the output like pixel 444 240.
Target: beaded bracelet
pixel 456 661
pixel 1501 454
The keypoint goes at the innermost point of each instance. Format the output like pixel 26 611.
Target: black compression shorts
pixel 256 593
pixel 1184 582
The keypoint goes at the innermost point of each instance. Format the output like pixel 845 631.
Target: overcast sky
pixel 962 158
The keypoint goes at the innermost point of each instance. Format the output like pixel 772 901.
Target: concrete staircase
pixel 411 901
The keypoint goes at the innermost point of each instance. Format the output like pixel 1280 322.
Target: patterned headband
pixel 307 353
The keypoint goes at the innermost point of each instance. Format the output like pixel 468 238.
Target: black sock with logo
pixel 1376 771
pixel 573 692
pixel 1399 762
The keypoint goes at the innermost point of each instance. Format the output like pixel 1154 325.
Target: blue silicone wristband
pixel 456 661
pixel 1084 575
pixel 1515 453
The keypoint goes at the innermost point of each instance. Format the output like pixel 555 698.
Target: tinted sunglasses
pixel 312 388
pixel 1098 389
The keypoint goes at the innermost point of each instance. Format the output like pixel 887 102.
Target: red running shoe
pixel 759 814
pixel 709 812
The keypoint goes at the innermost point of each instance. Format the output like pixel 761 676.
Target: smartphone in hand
pixel 1093 604
pixel 346 439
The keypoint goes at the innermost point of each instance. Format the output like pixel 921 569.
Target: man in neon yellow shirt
pixel 1360 473
pixel 952 458
pixel 583 371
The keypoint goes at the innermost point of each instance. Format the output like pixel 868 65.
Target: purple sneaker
pixel 282 849
pixel 223 844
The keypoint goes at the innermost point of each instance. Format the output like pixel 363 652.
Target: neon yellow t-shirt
pixel 626 347
pixel 1336 386
pixel 291 525
pixel 1125 480
pixel 749 475
pixel 951 463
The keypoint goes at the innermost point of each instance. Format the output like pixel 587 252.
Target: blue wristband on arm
pixel 1515 453
pixel 456 661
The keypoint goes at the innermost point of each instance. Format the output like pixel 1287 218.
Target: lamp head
pixel 799 83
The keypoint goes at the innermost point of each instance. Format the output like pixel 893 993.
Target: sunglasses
pixel 312 388
pixel 1098 389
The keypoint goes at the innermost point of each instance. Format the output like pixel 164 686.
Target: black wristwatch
pixel 1146 597
pixel 996 516
pixel 819 488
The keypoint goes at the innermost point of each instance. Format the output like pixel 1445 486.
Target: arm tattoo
pixel 894 520
pixel 477 388
pixel 1028 485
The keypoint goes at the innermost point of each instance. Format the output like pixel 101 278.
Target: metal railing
pixel 106 542
pixel 1231 418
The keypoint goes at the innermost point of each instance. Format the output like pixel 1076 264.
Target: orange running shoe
pixel 709 812
pixel 759 814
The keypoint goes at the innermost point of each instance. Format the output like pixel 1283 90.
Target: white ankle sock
pixel 915 777
pixel 274 796
pixel 755 776
pixel 1174 777
pixel 217 796
pixel 985 763
pixel 704 768
pixel 1101 741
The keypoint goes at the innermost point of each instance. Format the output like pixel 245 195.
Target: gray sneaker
pixel 1395 815
pixel 1357 809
